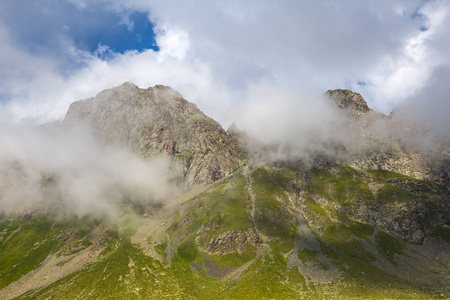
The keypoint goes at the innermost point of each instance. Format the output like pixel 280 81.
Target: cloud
pixel 65 168
pixel 284 116
pixel 214 54
pixel 402 76
pixel 430 106
pixel 262 64
pixel 172 43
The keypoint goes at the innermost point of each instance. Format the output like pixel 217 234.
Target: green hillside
pixel 271 232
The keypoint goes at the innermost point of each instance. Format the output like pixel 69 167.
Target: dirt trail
pixel 252 200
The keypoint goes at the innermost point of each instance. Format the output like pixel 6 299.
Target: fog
pixel 295 124
pixel 64 168
pixel 284 124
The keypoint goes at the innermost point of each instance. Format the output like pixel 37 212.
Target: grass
pixel 385 175
pixel 27 243
pixel 392 194
pixel 187 250
pixel 345 186
pixel 361 230
pixel 442 232
pixel 389 246
pixel 161 248
pixel 271 213
pixel 316 213
pixel 343 240
pixel 124 272
pixel 401 188
pixel 235 259
pixel 307 255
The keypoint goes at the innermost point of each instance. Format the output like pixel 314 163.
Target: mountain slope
pixel 159 121
pixel 258 233
pixel 368 224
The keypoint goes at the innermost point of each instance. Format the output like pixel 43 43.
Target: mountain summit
pixel 157 121
pixel 349 100
pixel 369 217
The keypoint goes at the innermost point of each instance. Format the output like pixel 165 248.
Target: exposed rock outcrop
pixel 390 143
pixel 349 100
pixel 229 242
pixel 157 121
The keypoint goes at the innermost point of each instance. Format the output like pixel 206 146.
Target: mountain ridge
pixel 159 121
pixel 371 218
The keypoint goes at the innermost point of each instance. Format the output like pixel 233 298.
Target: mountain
pixel 369 218
pixel 159 121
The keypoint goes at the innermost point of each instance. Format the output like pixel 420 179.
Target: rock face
pixel 284 229
pixel 157 121
pixel 349 100
pixel 390 143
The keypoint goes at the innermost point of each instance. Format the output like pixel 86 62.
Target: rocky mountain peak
pixel 346 99
pixel 158 121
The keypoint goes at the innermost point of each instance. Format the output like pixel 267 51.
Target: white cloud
pixel 67 168
pixel 403 75
pixel 214 53
pixel 172 43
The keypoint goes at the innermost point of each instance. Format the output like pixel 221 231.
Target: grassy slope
pixel 124 272
pixel 26 243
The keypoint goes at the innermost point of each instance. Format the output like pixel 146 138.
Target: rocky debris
pixel 377 141
pixel 158 121
pixel 229 242
pixel 406 221
pixel 68 235
pixel 319 271
pixel 58 265
pixel 405 163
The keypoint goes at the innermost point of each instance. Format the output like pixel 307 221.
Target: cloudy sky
pixel 224 54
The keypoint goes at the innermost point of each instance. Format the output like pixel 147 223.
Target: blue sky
pixel 219 55
pixel 39 28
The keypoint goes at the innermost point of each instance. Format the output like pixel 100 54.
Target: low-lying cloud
pixel 298 124
pixel 286 124
pixel 66 168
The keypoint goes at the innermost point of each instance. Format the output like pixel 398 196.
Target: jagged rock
pixel 158 121
pixel 377 141
pixel 228 242
pixel 330 219
pixel 349 100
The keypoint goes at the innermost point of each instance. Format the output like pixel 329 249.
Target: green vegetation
pixel 361 230
pixel 271 207
pixel 235 259
pixel 400 188
pixel 344 186
pixel 389 246
pixel 343 240
pixel 385 175
pixel 161 249
pixel 307 255
pixel 192 269
pixel 126 273
pixel 27 243
pixel 187 250
pixel 442 232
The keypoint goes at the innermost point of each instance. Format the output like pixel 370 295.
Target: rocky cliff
pixel 157 121
pixel 390 143
pixel 372 222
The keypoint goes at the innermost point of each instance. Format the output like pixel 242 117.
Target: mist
pixel 286 124
pixel 294 124
pixel 65 168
